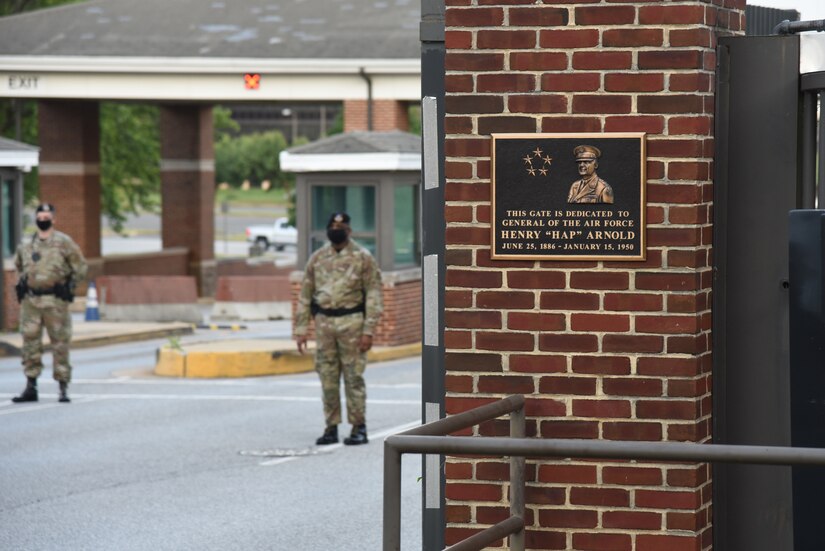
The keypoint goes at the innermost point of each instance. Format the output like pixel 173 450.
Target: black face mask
pixel 337 236
pixel 43 224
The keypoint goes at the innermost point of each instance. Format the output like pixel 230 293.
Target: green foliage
pixel 253 157
pixel 414 117
pixel 11 7
pixel 129 160
pixel 223 122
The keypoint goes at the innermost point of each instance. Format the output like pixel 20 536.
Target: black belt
pixel 41 292
pixel 337 312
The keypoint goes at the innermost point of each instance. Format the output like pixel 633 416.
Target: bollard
pixel 92 309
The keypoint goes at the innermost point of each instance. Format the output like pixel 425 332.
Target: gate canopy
pixel 208 50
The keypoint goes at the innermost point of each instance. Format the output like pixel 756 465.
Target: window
pixel 357 201
pixel 405 229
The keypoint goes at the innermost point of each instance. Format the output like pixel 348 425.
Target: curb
pixel 211 364
pixel 8 349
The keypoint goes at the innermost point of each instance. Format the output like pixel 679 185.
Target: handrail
pixel 440 429
pixel 429 440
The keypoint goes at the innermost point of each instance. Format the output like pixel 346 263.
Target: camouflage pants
pixel 53 313
pixel 337 354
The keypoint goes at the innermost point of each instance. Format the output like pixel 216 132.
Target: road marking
pixel 218 397
pixel 334 447
pixel 29 407
pixel 256 384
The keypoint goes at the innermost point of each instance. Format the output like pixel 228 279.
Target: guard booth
pixel 375 177
pixel 15 159
pixel 768 330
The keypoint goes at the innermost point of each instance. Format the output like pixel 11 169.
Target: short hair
pixel 45 207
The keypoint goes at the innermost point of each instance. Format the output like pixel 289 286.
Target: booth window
pixel 357 201
pixel 405 231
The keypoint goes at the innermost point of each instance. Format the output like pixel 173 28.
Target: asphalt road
pixel 138 462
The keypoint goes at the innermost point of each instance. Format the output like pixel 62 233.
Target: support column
pixel 69 136
pixel 602 349
pixel 187 172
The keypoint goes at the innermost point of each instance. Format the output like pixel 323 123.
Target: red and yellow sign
pixel 252 81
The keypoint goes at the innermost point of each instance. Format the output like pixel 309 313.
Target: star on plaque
pixel 537 162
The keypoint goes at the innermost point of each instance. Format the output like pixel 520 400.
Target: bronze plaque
pixel 568 196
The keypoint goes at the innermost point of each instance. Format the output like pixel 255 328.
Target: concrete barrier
pixel 253 358
pixel 251 298
pixel 149 298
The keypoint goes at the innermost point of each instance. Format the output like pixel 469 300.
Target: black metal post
pixel 433 248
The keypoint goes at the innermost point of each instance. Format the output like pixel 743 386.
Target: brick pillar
pixel 386 115
pixel 610 350
pixel 187 171
pixel 69 172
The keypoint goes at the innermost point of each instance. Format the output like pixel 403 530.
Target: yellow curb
pixel 387 353
pixel 216 364
pixel 204 362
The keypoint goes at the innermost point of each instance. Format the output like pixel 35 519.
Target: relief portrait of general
pixel 589 188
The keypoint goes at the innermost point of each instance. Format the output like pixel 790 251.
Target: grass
pixel 252 196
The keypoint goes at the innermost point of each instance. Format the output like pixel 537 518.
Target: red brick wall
pixel 386 115
pixel 166 262
pixel 147 290
pixel 611 350
pixel 401 321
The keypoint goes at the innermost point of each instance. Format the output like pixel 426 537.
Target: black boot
pixel 357 436
pixel 29 394
pixel 64 397
pixel 330 436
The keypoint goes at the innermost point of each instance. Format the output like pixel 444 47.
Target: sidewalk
pixel 209 359
pixel 101 333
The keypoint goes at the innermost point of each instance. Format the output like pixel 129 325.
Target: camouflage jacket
pixel 342 279
pixel 47 262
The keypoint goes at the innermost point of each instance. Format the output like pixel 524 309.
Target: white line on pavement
pixel 30 407
pixel 333 447
pixel 197 382
pixel 218 397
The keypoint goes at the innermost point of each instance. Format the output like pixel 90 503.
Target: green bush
pixel 253 157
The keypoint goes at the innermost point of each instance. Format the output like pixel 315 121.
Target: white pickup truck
pixel 277 235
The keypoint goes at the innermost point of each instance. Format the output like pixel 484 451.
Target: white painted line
pixel 217 397
pixel 333 447
pixel 200 382
pixel 30 407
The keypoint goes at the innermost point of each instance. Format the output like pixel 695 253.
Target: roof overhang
pixel 350 162
pixel 21 160
pixel 206 79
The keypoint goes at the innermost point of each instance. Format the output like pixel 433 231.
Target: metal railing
pixel 433 438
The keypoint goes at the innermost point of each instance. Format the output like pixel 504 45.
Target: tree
pixel 253 157
pixel 129 160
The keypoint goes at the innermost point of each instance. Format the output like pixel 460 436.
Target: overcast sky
pixel 810 9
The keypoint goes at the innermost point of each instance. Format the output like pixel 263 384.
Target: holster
pixel 21 288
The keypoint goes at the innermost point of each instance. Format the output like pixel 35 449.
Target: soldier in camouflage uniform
pixel 48 264
pixel 341 289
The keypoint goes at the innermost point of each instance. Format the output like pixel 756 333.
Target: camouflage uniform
pixel 58 259
pixel 336 280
